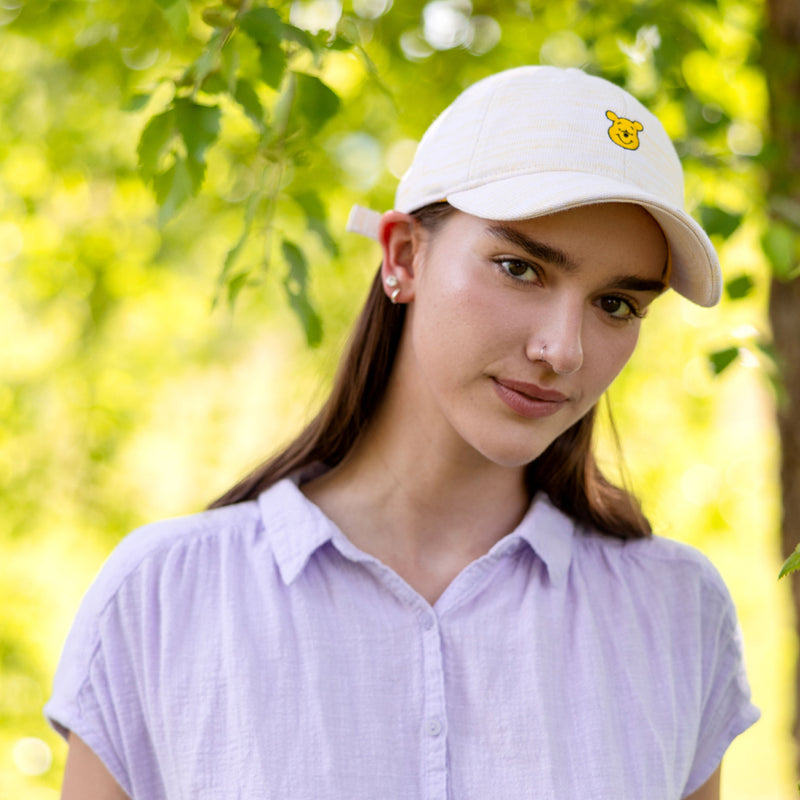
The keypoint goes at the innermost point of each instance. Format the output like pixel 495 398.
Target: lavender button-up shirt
pixel 254 652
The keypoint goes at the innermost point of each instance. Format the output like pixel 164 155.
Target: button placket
pixel 434 725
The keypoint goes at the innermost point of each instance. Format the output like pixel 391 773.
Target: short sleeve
pixel 726 709
pixel 98 690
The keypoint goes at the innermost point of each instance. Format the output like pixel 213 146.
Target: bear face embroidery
pixel 624 132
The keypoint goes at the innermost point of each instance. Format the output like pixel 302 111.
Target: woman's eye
pixel 517 269
pixel 618 307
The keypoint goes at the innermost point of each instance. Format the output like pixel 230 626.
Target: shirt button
pixel 433 726
pixel 427 622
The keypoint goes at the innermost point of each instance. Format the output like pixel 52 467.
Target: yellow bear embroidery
pixel 624 132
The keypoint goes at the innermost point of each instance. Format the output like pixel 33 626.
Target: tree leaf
pixel 317 219
pixel 235 286
pixel 296 260
pixel 136 103
pixel 262 25
pixel 247 98
pixel 272 61
pixel 198 125
pixel 718 222
pixel 295 286
pixel 173 188
pixel 301 37
pixel 177 15
pixel 207 60
pixel 792 564
pixel 214 83
pixel 778 244
pixel 315 101
pixel 218 16
pixel 739 287
pixel 154 140
pixel 722 359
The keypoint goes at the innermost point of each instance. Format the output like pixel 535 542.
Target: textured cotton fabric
pixel 254 652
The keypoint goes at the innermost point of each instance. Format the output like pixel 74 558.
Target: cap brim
pixel 695 272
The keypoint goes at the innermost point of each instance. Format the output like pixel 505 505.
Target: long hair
pixel 567 471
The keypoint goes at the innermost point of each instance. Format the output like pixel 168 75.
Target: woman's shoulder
pixel 155 547
pixel 655 566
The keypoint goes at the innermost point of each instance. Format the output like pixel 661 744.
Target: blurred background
pixel 176 283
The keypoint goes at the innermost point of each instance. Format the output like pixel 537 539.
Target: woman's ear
pixel 399 240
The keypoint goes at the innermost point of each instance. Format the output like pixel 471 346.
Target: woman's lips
pixel 528 399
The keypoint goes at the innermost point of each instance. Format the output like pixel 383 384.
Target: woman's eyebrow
pixel 632 283
pixel 559 258
pixel 536 249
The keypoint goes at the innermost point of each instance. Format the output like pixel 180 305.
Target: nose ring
pixel 541 353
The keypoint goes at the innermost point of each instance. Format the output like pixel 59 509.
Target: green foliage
pixel 792 564
pixel 254 132
pixel 173 144
pixel 739 287
pixel 718 222
pixel 722 359
pixel 780 244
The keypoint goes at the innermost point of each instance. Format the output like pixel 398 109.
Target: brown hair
pixel 567 471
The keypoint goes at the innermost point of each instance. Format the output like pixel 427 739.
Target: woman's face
pixel 515 329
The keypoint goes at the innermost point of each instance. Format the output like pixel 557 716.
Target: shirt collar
pixel 550 533
pixel 297 528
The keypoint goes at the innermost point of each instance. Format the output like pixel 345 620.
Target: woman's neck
pixel 425 508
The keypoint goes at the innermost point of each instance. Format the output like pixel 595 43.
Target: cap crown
pixel 539 120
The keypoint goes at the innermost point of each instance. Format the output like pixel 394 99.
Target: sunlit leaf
pixel 230 64
pixel 272 61
pixel 198 125
pixel 792 564
pixel 218 16
pixel 215 83
pixel 298 266
pixel 136 103
pixel 295 286
pixel 173 188
pixel 235 286
pixel 177 15
pixel 778 244
pixel 233 254
pixel 722 359
pixel 768 350
pixel 247 98
pixel 315 101
pixel 208 58
pixel 718 222
pixel 739 287
pixel 340 43
pixel 301 37
pixel 154 140
pixel 316 219
pixel 262 25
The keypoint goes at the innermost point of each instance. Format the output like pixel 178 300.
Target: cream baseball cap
pixel 535 140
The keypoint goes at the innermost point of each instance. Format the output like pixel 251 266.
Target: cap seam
pixel 480 131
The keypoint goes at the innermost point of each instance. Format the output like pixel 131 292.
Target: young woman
pixel 433 592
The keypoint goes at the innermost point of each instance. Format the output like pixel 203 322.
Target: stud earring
pixel 393 283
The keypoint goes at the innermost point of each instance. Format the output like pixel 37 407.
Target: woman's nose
pixel 558 340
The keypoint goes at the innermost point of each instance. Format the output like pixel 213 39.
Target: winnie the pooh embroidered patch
pixel 624 132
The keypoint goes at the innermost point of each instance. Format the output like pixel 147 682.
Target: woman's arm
pixel 709 790
pixel 85 776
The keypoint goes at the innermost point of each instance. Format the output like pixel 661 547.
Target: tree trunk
pixel 781 59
